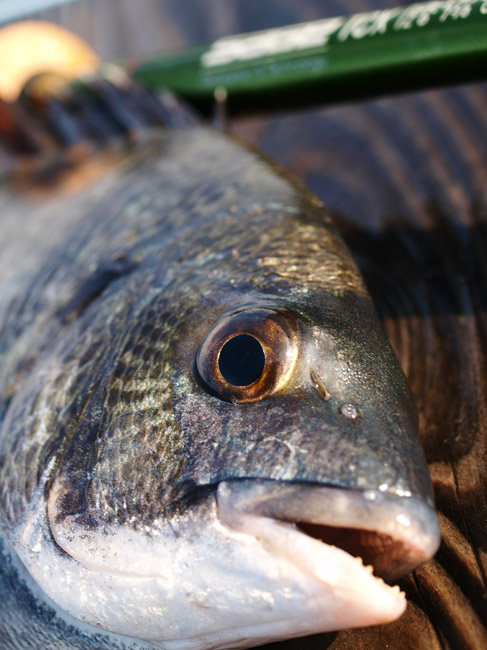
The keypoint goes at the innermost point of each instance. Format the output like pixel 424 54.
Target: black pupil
pixel 242 360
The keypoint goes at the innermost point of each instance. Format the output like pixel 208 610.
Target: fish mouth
pixel 254 561
pixel 375 535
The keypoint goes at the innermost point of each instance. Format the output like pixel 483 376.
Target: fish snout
pixel 393 534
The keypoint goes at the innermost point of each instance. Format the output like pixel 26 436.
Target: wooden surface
pixel 405 178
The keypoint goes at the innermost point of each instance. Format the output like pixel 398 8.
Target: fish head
pixel 218 442
pixel 310 420
pixel 289 484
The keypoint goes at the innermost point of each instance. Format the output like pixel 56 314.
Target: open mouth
pixel 351 538
pixel 377 550
pixel 258 559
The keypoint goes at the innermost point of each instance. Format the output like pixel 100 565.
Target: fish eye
pixel 249 354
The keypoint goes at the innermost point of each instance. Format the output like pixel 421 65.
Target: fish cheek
pixel 356 430
pixel 256 437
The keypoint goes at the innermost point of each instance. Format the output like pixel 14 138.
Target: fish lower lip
pixel 393 534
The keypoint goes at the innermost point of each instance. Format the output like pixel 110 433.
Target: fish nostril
pixel 349 411
pixel 241 360
pixel 319 386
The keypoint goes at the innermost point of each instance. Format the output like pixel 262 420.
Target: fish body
pixel 194 392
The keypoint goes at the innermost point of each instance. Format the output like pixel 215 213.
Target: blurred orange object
pixel 28 48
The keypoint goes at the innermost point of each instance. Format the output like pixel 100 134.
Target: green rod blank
pixel 332 60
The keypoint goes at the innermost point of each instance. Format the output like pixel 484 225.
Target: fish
pixel 206 440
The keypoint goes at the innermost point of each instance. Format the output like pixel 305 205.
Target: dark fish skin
pixel 203 250
pixel 109 285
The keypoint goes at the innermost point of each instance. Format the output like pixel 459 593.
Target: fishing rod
pixel 326 61
pixel 424 45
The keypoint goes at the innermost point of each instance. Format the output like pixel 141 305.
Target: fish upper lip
pixel 401 532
